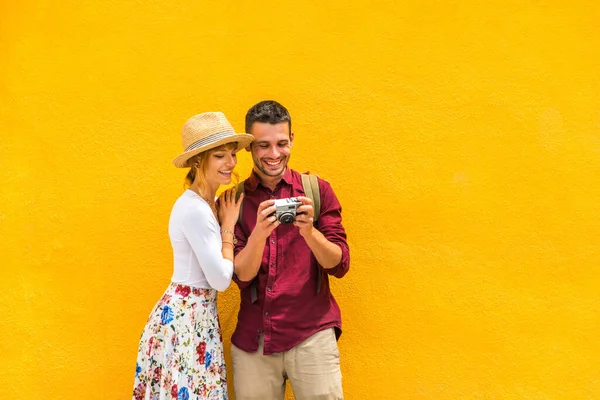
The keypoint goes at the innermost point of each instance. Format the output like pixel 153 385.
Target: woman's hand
pixel 229 209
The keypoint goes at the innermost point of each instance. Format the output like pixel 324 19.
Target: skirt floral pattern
pixel 180 356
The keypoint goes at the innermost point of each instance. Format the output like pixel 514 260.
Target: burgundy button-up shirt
pixel 288 309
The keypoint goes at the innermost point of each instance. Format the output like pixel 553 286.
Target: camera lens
pixel 286 218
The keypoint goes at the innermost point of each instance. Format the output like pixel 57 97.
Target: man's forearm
pixel 328 254
pixel 247 261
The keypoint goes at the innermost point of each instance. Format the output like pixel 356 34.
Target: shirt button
pixel 258 331
pixel 266 313
pixel 268 289
pixel 272 242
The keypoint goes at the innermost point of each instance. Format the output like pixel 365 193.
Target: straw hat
pixel 206 131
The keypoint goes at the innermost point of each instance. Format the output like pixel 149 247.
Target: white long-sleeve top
pixel 196 239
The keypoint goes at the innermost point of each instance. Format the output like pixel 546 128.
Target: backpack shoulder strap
pixel 240 190
pixel 310 184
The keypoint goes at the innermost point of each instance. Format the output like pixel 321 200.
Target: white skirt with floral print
pixel 181 351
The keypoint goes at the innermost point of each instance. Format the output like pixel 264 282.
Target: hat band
pixel 209 139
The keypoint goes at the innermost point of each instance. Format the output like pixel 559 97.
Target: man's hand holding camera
pixel 304 216
pixel 294 210
pixel 266 220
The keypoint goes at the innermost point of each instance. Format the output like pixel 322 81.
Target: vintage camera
pixel 285 210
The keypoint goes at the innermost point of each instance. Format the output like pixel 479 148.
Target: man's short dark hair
pixel 268 111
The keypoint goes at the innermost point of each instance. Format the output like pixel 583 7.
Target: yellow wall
pixel 462 137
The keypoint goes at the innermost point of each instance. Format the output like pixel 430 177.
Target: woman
pixel 180 355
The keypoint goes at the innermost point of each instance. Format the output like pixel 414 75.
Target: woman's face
pixel 219 166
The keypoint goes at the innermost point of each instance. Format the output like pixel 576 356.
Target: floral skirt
pixel 181 351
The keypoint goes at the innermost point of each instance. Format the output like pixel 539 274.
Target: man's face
pixel 271 148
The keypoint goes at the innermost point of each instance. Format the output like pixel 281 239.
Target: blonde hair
pixel 199 163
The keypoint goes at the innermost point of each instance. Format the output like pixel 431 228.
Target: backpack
pixel 310 184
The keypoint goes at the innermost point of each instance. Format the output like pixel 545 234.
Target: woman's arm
pixel 202 232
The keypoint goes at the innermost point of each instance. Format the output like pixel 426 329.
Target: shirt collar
pixel 254 179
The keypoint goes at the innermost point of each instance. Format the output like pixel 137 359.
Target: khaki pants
pixel 313 368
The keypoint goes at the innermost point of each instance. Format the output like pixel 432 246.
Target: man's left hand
pixel 304 216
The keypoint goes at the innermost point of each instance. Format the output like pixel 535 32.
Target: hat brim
pixel 242 140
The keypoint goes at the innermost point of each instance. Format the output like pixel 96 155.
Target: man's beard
pixel 260 166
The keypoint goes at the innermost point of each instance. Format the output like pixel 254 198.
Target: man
pixel 289 322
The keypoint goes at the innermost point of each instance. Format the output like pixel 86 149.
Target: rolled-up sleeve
pixel 330 225
pixel 203 234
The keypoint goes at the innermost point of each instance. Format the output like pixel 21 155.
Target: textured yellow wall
pixel 463 139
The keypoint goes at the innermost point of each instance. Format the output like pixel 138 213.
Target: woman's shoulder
pixel 189 203
pixel 189 208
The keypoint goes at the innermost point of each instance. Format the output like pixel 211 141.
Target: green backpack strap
pixel 310 184
pixel 240 190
